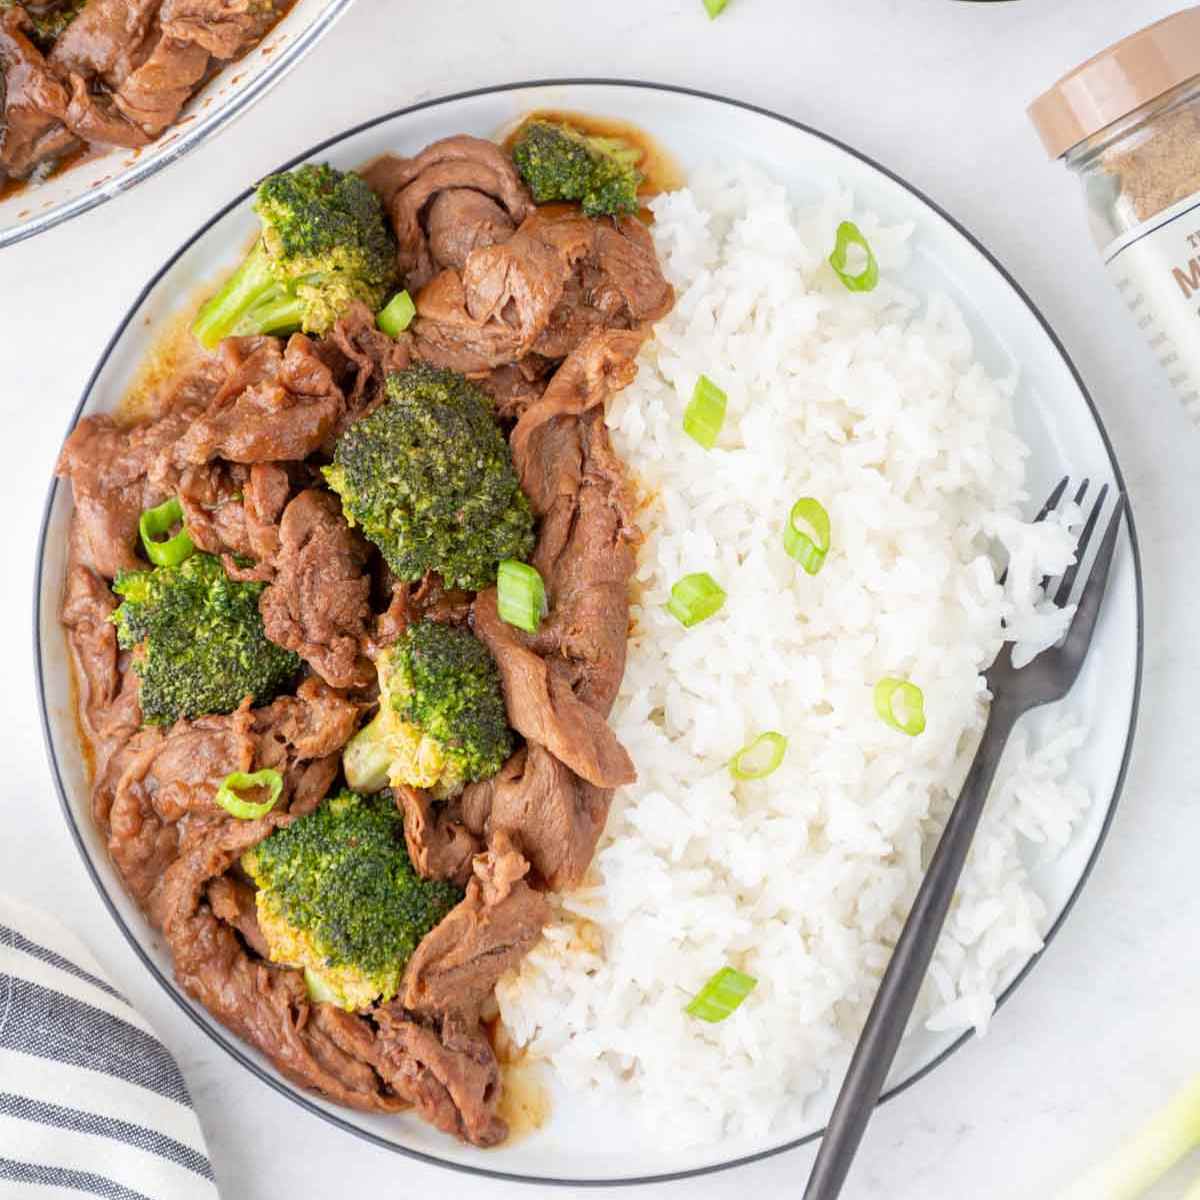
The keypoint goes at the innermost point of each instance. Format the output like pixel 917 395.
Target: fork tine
pixel 1083 622
pixel 1081 491
pixel 1063 595
pixel 1043 512
pixel 1053 499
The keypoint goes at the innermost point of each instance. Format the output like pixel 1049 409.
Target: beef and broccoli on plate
pixel 347 602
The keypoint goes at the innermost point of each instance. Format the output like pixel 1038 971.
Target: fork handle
pixel 905 973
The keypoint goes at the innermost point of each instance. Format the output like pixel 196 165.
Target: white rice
pixel 873 403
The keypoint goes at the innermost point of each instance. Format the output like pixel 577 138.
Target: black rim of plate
pixel 232 1047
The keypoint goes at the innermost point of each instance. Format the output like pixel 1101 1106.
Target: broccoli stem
pixel 277 311
pixel 368 756
pixel 250 285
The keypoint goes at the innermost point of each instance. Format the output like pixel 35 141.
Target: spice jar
pixel 1127 123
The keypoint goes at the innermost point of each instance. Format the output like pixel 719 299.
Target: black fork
pixel 1047 678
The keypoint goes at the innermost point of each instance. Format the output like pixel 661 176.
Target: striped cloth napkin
pixel 91 1102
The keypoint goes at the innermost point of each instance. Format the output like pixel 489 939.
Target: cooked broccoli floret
pixel 560 163
pixel 325 242
pixel 339 898
pixel 429 478
pixel 441 721
pixel 48 20
pixel 201 647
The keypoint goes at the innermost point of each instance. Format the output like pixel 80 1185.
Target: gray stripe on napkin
pixel 60 1027
pixel 81 1181
pixel 18 941
pixel 75 1119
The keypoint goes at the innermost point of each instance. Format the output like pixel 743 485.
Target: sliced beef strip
pixel 514 387
pixel 110 470
pixel 116 471
pixel 35 100
pixel 601 365
pixel 521 280
pixel 543 708
pixel 151 98
pixel 456 966
pixel 233 901
pixel 365 356
pixel 448 1069
pixel 551 815
pixel 406 187
pixel 107 41
pixel 106 691
pixel 446 335
pixel 439 844
pixel 211 498
pixel 159 777
pixel 560 683
pixel 586 555
pixel 558 279
pixel 224 28
pixel 461 220
pixel 319 603
pixel 274 407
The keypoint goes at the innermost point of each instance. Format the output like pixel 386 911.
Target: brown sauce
pixel 171 350
pixel 524 1099
pixel 661 172
pixel 524 1096
pixel 83 153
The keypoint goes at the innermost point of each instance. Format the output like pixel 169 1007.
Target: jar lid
pixel 1118 80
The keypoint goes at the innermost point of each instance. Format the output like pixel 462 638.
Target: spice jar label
pixel 1156 267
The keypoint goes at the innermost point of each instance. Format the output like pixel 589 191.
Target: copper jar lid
pixel 1115 82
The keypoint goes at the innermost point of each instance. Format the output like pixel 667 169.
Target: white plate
pixel 42 206
pixel 585 1141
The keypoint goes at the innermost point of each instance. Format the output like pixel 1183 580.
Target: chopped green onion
pixel 901 705
pixel 705 413
pixel 715 8
pixel 695 598
pixel 807 546
pixel 247 810
pixel 721 995
pixel 848 234
pixel 396 316
pixel 760 758
pixel 1151 1151
pixel 520 595
pixel 156 521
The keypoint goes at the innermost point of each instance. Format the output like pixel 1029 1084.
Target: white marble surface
pixel 1105 1027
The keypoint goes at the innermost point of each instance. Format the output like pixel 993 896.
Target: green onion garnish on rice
pixel 396 316
pixel 520 595
pixel 705 413
pixel 806 534
pixel 849 234
pixel 715 8
pixel 239 781
pixel 760 757
pixel 695 598
pixel 901 705
pixel 154 522
pixel 721 995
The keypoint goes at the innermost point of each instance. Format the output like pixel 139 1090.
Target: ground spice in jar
pixel 1127 122
pixel 1159 167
